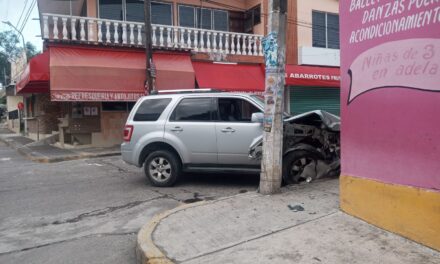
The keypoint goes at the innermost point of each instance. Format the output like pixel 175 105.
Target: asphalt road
pixel 88 211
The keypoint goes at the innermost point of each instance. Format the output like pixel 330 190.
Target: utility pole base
pixel 269 186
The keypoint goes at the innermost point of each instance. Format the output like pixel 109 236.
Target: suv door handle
pixel 228 130
pixel 177 129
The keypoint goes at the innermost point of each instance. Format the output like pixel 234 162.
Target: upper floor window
pixel 161 13
pixel 133 10
pixel 325 30
pixel 252 18
pixel 111 9
pixel 196 17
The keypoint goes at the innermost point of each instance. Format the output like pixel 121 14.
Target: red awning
pixel 35 78
pixel 230 77
pixel 174 71
pixel 83 74
pixel 297 75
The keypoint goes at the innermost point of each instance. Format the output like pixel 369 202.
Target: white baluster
pixel 232 44
pixel 169 32
pixel 55 27
pixel 182 37
pixel 189 43
pixel 176 37
pixel 73 28
pixel 254 45
pixel 208 41
pixel 82 32
pixel 99 31
pixel 196 41
pixel 64 33
pixel 260 46
pixel 107 32
pixel 249 38
pixel 227 43
pixel 214 41
pixel 116 35
pixel 131 34
pixel 45 27
pixel 202 41
pixel 90 29
pixel 220 48
pixel 161 41
pixel 139 29
pixel 124 33
pixel 243 46
pixel 238 45
pixel 154 39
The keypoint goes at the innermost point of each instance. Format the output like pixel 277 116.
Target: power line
pixel 31 7
pixel 22 12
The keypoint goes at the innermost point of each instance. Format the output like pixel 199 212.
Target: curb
pixel 36 157
pixel 45 159
pixel 146 251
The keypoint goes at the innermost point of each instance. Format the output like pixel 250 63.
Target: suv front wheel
pixel 162 168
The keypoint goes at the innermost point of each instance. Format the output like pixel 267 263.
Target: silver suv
pixel 168 134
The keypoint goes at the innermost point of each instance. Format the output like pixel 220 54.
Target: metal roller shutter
pixel 304 99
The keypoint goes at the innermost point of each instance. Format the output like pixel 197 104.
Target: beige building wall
pixel 112 127
pixel 305 8
pixel 11 104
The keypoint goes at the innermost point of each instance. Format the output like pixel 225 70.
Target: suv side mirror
pixel 257 117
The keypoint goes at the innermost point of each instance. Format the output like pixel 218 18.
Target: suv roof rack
pixel 178 91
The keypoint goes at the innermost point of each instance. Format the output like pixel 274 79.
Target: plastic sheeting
pixel 230 77
pixel 84 74
pixel 35 78
pixel 174 71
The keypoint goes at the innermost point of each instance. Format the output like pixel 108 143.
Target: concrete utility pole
pixel 150 73
pixel 275 57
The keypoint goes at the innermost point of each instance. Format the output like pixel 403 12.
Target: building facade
pixel 92 69
pixel 390 137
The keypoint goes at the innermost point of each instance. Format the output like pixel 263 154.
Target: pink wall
pixel 392 134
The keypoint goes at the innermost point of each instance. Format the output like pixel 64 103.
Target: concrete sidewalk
pixel 301 225
pixel 46 153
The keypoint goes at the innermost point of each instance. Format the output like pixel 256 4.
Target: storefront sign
pixel 94 96
pixel 390 90
pixel 410 62
pixel 301 75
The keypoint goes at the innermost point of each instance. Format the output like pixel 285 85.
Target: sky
pixel 10 10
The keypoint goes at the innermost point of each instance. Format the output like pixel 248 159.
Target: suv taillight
pixel 128 132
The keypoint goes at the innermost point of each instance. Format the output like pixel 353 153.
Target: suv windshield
pixel 259 99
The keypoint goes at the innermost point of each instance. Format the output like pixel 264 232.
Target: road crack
pixel 67 240
pixel 104 211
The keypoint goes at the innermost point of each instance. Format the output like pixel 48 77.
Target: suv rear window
pixel 151 109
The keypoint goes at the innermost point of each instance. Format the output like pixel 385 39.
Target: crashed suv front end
pixel 311 146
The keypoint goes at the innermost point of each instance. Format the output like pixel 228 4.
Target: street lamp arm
pixel 21 34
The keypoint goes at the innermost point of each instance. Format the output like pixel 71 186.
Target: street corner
pixel 147 252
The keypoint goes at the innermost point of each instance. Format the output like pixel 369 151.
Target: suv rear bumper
pixel 127 155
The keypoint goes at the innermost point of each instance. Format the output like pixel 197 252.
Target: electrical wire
pixel 22 12
pixel 31 7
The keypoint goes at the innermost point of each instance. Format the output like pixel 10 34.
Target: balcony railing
pixel 124 33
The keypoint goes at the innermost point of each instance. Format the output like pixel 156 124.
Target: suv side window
pixel 193 109
pixel 235 110
pixel 151 109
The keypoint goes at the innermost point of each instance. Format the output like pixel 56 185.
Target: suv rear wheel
pixel 162 168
